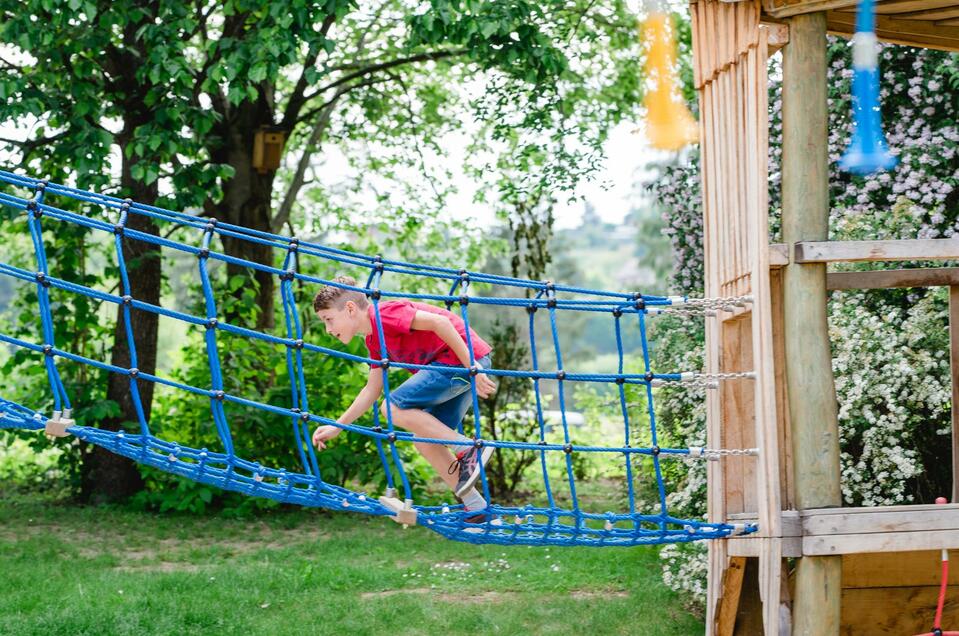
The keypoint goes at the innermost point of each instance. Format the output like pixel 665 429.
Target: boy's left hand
pixel 485 387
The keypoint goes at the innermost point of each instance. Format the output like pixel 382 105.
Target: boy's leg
pixel 440 459
pixel 432 404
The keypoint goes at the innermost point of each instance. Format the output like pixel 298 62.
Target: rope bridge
pixel 551 524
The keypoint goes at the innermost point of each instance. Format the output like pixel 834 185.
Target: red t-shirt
pixel 416 347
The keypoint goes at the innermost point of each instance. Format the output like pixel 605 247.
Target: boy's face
pixel 344 323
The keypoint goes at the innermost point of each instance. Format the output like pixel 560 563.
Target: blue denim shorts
pixel 445 396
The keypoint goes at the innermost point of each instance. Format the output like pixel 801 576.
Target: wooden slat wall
pixel 730 52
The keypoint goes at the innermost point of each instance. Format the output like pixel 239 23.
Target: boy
pixel 430 404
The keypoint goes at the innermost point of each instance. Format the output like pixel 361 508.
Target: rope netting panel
pixel 561 521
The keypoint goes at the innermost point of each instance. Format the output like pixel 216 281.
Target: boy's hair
pixel 335 297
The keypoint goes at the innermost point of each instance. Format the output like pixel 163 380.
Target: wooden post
pixel 954 368
pixel 810 385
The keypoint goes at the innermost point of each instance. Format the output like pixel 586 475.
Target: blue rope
pixel 526 525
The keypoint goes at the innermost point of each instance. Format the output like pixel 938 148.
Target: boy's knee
pixel 395 411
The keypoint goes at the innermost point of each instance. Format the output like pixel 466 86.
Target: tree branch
pixel 310 114
pixel 382 66
pixel 316 135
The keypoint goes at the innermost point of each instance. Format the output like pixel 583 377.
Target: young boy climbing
pixel 430 404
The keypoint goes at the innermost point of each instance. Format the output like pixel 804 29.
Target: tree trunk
pixel 247 201
pixel 107 476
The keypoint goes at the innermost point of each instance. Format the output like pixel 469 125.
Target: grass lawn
pixel 74 570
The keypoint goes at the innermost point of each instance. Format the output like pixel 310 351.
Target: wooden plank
pixel 875 510
pixel 778 255
pixel 931 14
pixel 894 611
pixel 788 496
pixel 896 569
pixel 859 251
pixel 786 8
pixel 881 521
pixel 791 522
pixel 827 545
pixel 749 546
pixel 729 598
pixel 890 278
pixel 770 579
pixel 737 416
pixel 954 373
pixel 942 35
pixel 904 6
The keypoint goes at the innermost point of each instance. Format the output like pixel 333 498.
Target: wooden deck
pixel 834 531
pixel 932 24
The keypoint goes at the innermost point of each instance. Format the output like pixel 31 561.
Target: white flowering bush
pixel 890 347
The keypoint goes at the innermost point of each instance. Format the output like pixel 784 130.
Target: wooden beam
pixel 931 14
pixel 811 389
pixel 880 520
pixel 893 278
pixel 831 531
pixel 805 205
pixel 859 251
pixel 954 372
pixel 749 546
pixel 778 36
pixel 788 8
pixel 838 544
pixel 942 35
pixel 729 597
pixel 888 7
pixel 778 255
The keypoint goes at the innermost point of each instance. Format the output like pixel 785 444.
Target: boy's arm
pixel 361 404
pixel 444 329
pixel 365 398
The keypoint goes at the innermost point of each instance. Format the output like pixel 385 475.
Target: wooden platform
pixel 832 531
pixel 932 24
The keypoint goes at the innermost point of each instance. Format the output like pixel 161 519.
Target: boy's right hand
pixel 323 434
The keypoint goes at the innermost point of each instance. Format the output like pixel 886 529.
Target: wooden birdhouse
pixel 268 148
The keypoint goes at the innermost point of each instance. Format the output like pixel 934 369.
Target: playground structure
pixel 856 570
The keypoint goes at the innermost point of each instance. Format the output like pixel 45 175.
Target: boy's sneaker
pixel 476 516
pixel 468 464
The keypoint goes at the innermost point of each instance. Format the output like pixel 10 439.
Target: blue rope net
pixel 551 524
